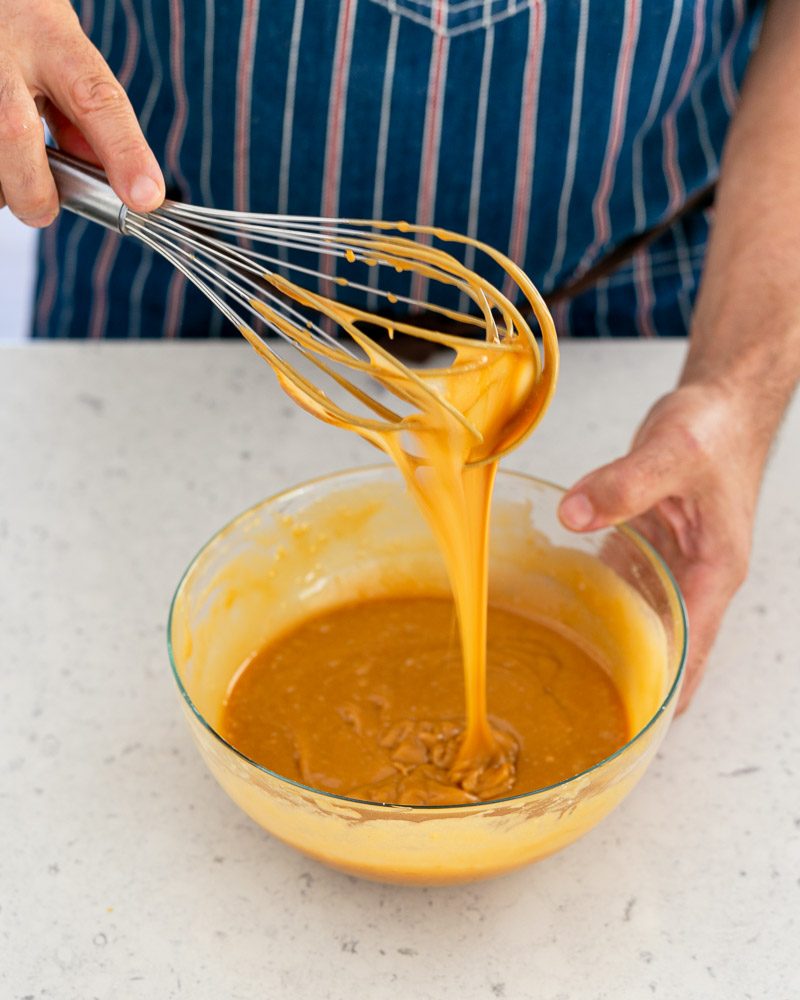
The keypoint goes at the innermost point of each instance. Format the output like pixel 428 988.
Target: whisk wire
pixel 283 319
pixel 262 229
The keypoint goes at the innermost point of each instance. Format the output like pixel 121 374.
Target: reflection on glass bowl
pixel 357 534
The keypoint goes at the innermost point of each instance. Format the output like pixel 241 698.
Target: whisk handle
pixel 85 190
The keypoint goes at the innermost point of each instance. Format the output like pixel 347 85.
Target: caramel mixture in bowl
pixel 367 701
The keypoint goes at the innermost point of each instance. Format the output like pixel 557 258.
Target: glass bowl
pixel 357 534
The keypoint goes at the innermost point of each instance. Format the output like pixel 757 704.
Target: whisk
pixel 277 274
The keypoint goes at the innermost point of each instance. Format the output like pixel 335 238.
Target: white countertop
pixel 125 872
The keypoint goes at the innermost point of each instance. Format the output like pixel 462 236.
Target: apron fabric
pixel 553 130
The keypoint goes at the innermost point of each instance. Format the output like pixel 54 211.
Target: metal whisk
pixel 272 274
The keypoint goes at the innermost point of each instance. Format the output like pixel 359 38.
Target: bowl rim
pixel 369 470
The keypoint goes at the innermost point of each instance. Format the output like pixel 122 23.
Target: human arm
pixel 690 482
pixel 48 67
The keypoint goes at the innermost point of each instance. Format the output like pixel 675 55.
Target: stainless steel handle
pixel 85 190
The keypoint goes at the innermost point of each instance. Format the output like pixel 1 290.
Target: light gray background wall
pixel 17 245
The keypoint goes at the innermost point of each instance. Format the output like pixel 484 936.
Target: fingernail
pixel 577 511
pixel 145 191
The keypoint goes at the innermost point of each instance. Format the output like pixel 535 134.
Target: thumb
pixel 83 87
pixel 626 488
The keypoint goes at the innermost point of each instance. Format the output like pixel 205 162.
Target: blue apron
pixel 554 130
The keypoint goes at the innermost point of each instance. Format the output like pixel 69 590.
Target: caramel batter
pixel 367 700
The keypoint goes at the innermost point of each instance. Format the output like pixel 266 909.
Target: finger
pixel 28 186
pixel 689 689
pixel 68 136
pixel 88 93
pixel 625 488
pixel 707 591
pixel 702 635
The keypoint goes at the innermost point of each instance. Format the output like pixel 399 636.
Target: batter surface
pixel 367 701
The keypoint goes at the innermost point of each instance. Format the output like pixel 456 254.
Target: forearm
pixel 746 328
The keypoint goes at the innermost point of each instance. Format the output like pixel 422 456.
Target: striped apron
pixel 554 130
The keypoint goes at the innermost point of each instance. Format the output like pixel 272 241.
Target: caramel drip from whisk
pixel 463 418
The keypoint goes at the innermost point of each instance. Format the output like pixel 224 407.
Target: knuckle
pixel 18 120
pixel 730 559
pixel 694 440
pixel 34 195
pixel 738 565
pixel 15 127
pixel 690 445
pixel 95 93
pixel 125 147
pixel 39 207
pixel 62 19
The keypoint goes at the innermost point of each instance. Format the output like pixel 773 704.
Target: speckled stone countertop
pixel 125 872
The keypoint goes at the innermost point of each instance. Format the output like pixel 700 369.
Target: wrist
pixel 754 361
pixel 743 414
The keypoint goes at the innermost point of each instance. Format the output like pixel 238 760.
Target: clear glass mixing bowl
pixel 357 534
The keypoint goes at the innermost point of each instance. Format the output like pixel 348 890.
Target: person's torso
pixel 553 130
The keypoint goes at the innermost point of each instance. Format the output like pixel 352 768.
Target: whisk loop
pixel 240 262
